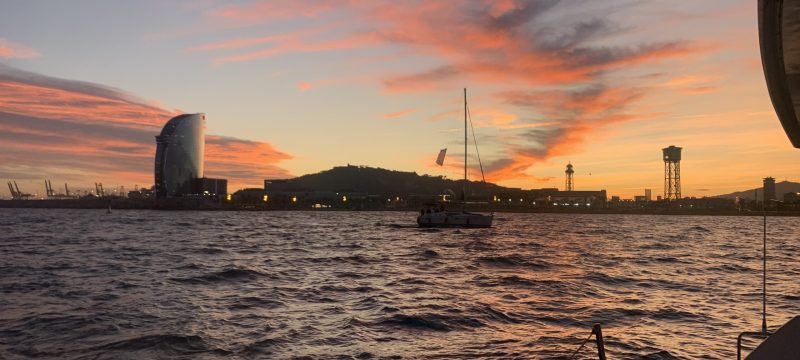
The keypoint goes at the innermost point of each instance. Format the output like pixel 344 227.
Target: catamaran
pixel 437 216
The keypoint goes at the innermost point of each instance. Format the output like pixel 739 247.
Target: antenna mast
pixel 464 189
pixel 764 279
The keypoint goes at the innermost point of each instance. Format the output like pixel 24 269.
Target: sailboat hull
pixel 455 219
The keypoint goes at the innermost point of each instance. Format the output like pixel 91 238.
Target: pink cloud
pixel 304 85
pixel 269 10
pixel 399 114
pixel 9 50
pixel 85 132
pixel 299 45
pixel 243 42
pixel 700 90
pixel 506 45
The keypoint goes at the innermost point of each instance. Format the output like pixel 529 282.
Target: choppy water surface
pixel 244 285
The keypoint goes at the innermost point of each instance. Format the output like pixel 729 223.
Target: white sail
pixel 440 158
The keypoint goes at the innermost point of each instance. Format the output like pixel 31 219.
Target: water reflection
pixel 276 285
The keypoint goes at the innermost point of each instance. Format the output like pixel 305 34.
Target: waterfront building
pixel 210 188
pixel 592 198
pixel 179 155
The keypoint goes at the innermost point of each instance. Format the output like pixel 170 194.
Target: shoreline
pixel 129 204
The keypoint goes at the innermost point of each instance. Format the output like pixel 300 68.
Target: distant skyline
pixel 298 87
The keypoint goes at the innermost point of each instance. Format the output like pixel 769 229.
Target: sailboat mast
pixel 464 189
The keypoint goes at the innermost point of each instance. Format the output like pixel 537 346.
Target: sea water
pixel 371 285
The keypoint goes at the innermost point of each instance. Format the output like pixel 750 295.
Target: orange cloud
pixel 426 81
pixel 300 45
pixel 11 50
pixel 83 132
pixel 572 117
pixel 445 115
pixel 243 162
pixel 398 114
pixel 334 80
pixel 268 10
pixel 493 42
pixel 700 89
pixel 505 45
pixel 693 84
pixel 237 43
pixel 690 80
pixel 304 85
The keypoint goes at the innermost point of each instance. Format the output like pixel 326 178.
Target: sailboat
pixel 439 217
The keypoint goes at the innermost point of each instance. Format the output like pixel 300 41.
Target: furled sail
pixel 440 158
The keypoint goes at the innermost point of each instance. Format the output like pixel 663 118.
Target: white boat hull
pixel 454 219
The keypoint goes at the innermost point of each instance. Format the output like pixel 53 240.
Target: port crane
pixel 99 191
pixel 16 194
pixel 51 194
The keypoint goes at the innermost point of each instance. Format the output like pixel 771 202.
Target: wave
pixel 119 284
pixel 341 260
pixel 499 316
pixel 260 347
pixel 430 253
pixel 661 355
pixel 668 260
pixel 411 281
pixel 397 226
pixel 345 289
pixel 674 314
pixel 607 279
pixel 350 275
pixel 513 261
pixel 657 246
pixel 227 275
pixel 732 268
pixel 323 285
pixel 698 228
pixel 432 322
pixel 250 302
pixel 210 250
pixel 181 344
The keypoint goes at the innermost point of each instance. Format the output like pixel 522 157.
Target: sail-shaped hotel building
pixel 179 155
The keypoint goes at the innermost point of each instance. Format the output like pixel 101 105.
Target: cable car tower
pixel 672 173
pixel 570 186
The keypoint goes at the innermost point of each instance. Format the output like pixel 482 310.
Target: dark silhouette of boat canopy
pixel 779 36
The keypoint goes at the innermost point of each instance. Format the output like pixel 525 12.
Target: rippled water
pixel 146 284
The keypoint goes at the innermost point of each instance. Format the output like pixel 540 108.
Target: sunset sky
pixel 296 87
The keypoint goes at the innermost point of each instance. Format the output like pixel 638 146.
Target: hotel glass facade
pixel 179 155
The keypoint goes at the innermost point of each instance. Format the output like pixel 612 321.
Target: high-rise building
pixel 648 195
pixel 179 155
pixel 769 189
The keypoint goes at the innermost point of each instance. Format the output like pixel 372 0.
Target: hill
pixel 380 181
pixel 781 188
